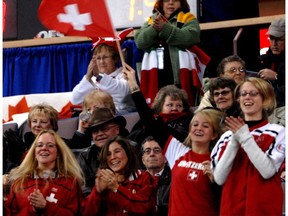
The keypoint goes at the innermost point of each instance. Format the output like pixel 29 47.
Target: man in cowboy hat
pixel 272 67
pixel 103 125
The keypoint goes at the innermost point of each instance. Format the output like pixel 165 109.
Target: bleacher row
pixel 68 126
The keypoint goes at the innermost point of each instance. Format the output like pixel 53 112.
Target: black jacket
pixel 163 191
pixel 89 162
pixel 276 63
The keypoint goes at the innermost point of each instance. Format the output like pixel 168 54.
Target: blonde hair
pixel 266 91
pixel 44 110
pixel 101 97
pixel 66 164
pixel 215 118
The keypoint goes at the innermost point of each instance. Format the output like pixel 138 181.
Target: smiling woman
pixel 49 177
pixel 119 185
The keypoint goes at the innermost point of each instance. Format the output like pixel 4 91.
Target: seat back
pixel 13 126
pixel 131 119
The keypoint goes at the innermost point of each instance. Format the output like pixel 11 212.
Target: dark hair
pixel 220 83
pixel 132 163
pixel 159 6
pixel 148 139
pixel 224 61
pixel 175 93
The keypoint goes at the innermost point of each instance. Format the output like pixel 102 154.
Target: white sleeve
pixel 81 90
pixel 117 87
pixel 262 162
pixel 223 167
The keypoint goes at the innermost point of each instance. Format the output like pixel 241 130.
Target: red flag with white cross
pixel 77 17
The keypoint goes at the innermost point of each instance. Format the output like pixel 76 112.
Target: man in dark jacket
pixel 102 125
pixel 272 67
pixel 156 164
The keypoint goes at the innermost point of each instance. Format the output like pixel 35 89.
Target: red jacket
pixel 135 196
pixel 63 197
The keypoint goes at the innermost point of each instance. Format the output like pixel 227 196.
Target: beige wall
pixel 271 7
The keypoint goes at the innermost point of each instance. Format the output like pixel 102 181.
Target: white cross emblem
pixel 51 198
pixel 192 175
pixel 71 15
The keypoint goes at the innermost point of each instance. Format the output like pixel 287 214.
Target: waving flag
pixel 77 17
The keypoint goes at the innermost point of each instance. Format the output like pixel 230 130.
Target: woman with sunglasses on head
pixel 222 96
pixel 48 180
pixel 247 158
pixel 120 188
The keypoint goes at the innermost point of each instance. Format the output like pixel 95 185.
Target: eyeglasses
pixel 223 93
pixel 47 145
pixel 104 129
pixel 276 39
pixel 104 58
pixel 234 70
pixel 156 150
pixel 251 93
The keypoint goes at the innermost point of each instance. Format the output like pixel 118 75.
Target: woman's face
pixel 46 151
pixel 93 105
pixel 104 61
pixel 223 98
pixel 251 102
pixel 172 106
pixel 201 131
pixel 170 6
pixel 39 122
pixel 234 70
pixel 117 159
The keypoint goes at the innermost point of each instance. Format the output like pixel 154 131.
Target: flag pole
pixel 120 52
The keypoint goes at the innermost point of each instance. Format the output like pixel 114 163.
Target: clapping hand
pixel 106 179
pixel 92 70
pixel 234 124
pixel 37 200
pixel 158 23
pixel 207 170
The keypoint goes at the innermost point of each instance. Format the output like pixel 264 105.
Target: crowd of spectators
pixel 227 157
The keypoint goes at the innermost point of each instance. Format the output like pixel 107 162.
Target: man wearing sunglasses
pixel 272 67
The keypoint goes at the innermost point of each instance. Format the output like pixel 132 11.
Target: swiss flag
pixel 77 17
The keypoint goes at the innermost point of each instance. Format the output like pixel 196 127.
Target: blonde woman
pixel 247 158
pixel 47 181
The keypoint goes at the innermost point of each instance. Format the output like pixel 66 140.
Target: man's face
pixel 152 156
pixel 277 45
pixel 103 132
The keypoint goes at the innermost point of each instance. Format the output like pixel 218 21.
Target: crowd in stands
pixel 226 157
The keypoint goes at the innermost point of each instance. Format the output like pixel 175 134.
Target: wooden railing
pixel 265 20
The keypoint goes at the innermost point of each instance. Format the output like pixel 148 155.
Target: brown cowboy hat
pixel 103 116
